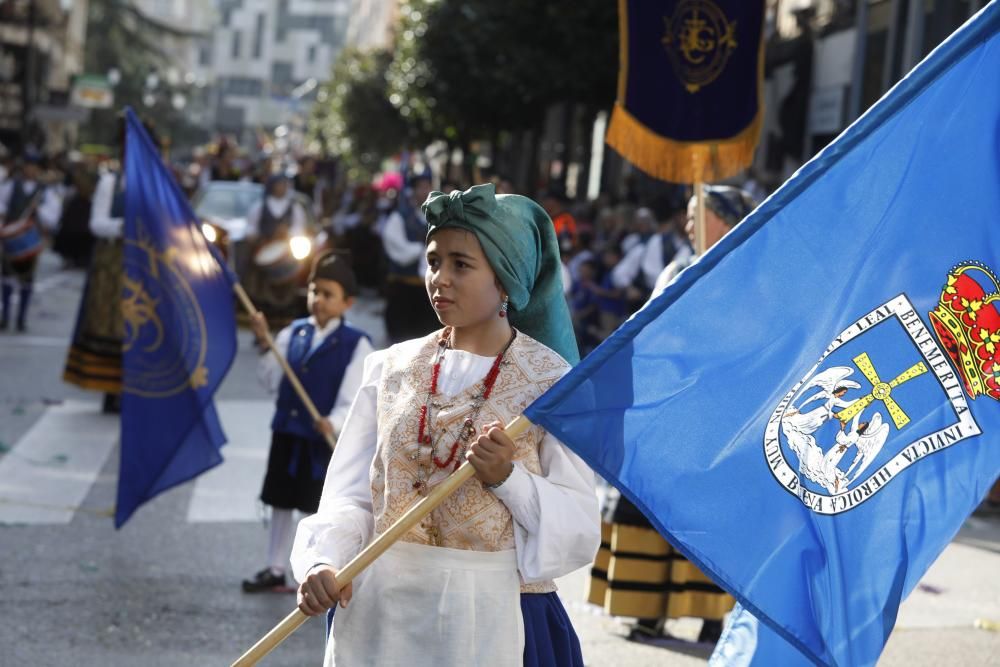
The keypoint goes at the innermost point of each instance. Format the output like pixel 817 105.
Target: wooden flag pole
pixel 289 373
pixel 699 219
pixel 357 565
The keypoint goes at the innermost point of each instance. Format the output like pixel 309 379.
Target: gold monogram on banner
pixel 699 40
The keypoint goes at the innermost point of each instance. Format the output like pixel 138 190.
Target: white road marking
pixel 230 491
pixel 50 470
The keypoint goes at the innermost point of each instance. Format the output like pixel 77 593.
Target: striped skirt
pixel 638 574
pixel 95 355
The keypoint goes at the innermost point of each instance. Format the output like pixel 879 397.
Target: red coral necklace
pixel 426 444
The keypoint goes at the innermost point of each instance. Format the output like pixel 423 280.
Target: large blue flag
pixel 180 333
pixel 811 411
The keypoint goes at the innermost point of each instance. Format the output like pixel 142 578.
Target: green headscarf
pixel 520 244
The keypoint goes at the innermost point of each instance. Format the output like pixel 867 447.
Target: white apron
pixel 421 605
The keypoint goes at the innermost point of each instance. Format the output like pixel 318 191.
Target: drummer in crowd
pixel 270 223
pixel 278 215
pixel 25 203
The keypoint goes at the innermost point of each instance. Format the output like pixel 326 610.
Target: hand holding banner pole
pixel 403 525
pixel 289 373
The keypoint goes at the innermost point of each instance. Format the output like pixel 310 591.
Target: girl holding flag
pixel 473 583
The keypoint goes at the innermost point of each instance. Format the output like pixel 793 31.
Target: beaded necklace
pixel 427 444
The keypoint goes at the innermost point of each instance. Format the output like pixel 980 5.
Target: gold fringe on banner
pixel 682 161
pixel 679 161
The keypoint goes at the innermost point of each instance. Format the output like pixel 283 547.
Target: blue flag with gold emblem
pixel 810 412
pixel 180 333
pixel 690 84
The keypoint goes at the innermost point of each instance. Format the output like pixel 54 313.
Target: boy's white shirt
pixel 269 371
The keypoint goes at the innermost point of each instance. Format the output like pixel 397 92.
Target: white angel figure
pixel 799 426
pixel 869 438
pixel 851 437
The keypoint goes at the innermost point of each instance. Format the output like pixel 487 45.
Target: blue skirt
pixel 549 638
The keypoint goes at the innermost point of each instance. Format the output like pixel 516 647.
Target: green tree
pixel 122 37
pixel 475 69
pixel 353 116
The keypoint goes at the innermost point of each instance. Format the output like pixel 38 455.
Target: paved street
pixel 165 589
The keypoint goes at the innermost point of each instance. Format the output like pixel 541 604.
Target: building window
pixel 284 21
pixel 258 36
pixel 205 54
pixel 237 37
pixel 311 54
pixel 243 86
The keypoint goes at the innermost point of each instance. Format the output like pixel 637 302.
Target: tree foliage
pixel 470 68
pixel 353 116
pixel 464 70
pixel 122 37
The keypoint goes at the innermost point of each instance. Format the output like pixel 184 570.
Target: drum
pixel 274 259
pixel 22 241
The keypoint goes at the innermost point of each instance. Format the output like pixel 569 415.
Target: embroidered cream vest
pixel 472 518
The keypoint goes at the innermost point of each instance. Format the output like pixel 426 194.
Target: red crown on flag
pixel 967 323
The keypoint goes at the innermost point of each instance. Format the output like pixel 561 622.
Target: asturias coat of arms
pixel 886 393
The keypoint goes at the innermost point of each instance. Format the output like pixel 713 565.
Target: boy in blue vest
pixel 327 354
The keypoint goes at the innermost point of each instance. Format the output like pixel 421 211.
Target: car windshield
pixel 228 202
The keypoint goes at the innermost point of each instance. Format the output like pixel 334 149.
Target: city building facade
pixel 267 58
pixel 41 51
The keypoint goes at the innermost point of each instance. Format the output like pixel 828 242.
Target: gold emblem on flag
pixel 165 332
pixel 699 41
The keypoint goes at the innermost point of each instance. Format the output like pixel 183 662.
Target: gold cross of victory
pixel 881 390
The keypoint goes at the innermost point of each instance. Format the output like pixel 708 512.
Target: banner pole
pixel 699 220
pixel 289 373
pixel 346 575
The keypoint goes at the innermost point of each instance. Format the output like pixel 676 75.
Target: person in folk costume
pixel 627 275
pixel 472 584
pixel 278 216
pixel 95 354
pixel 17 197
pixel 327 354
pixel 407 314
pixel 73 240
pixel 668 244
pixel 637 573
